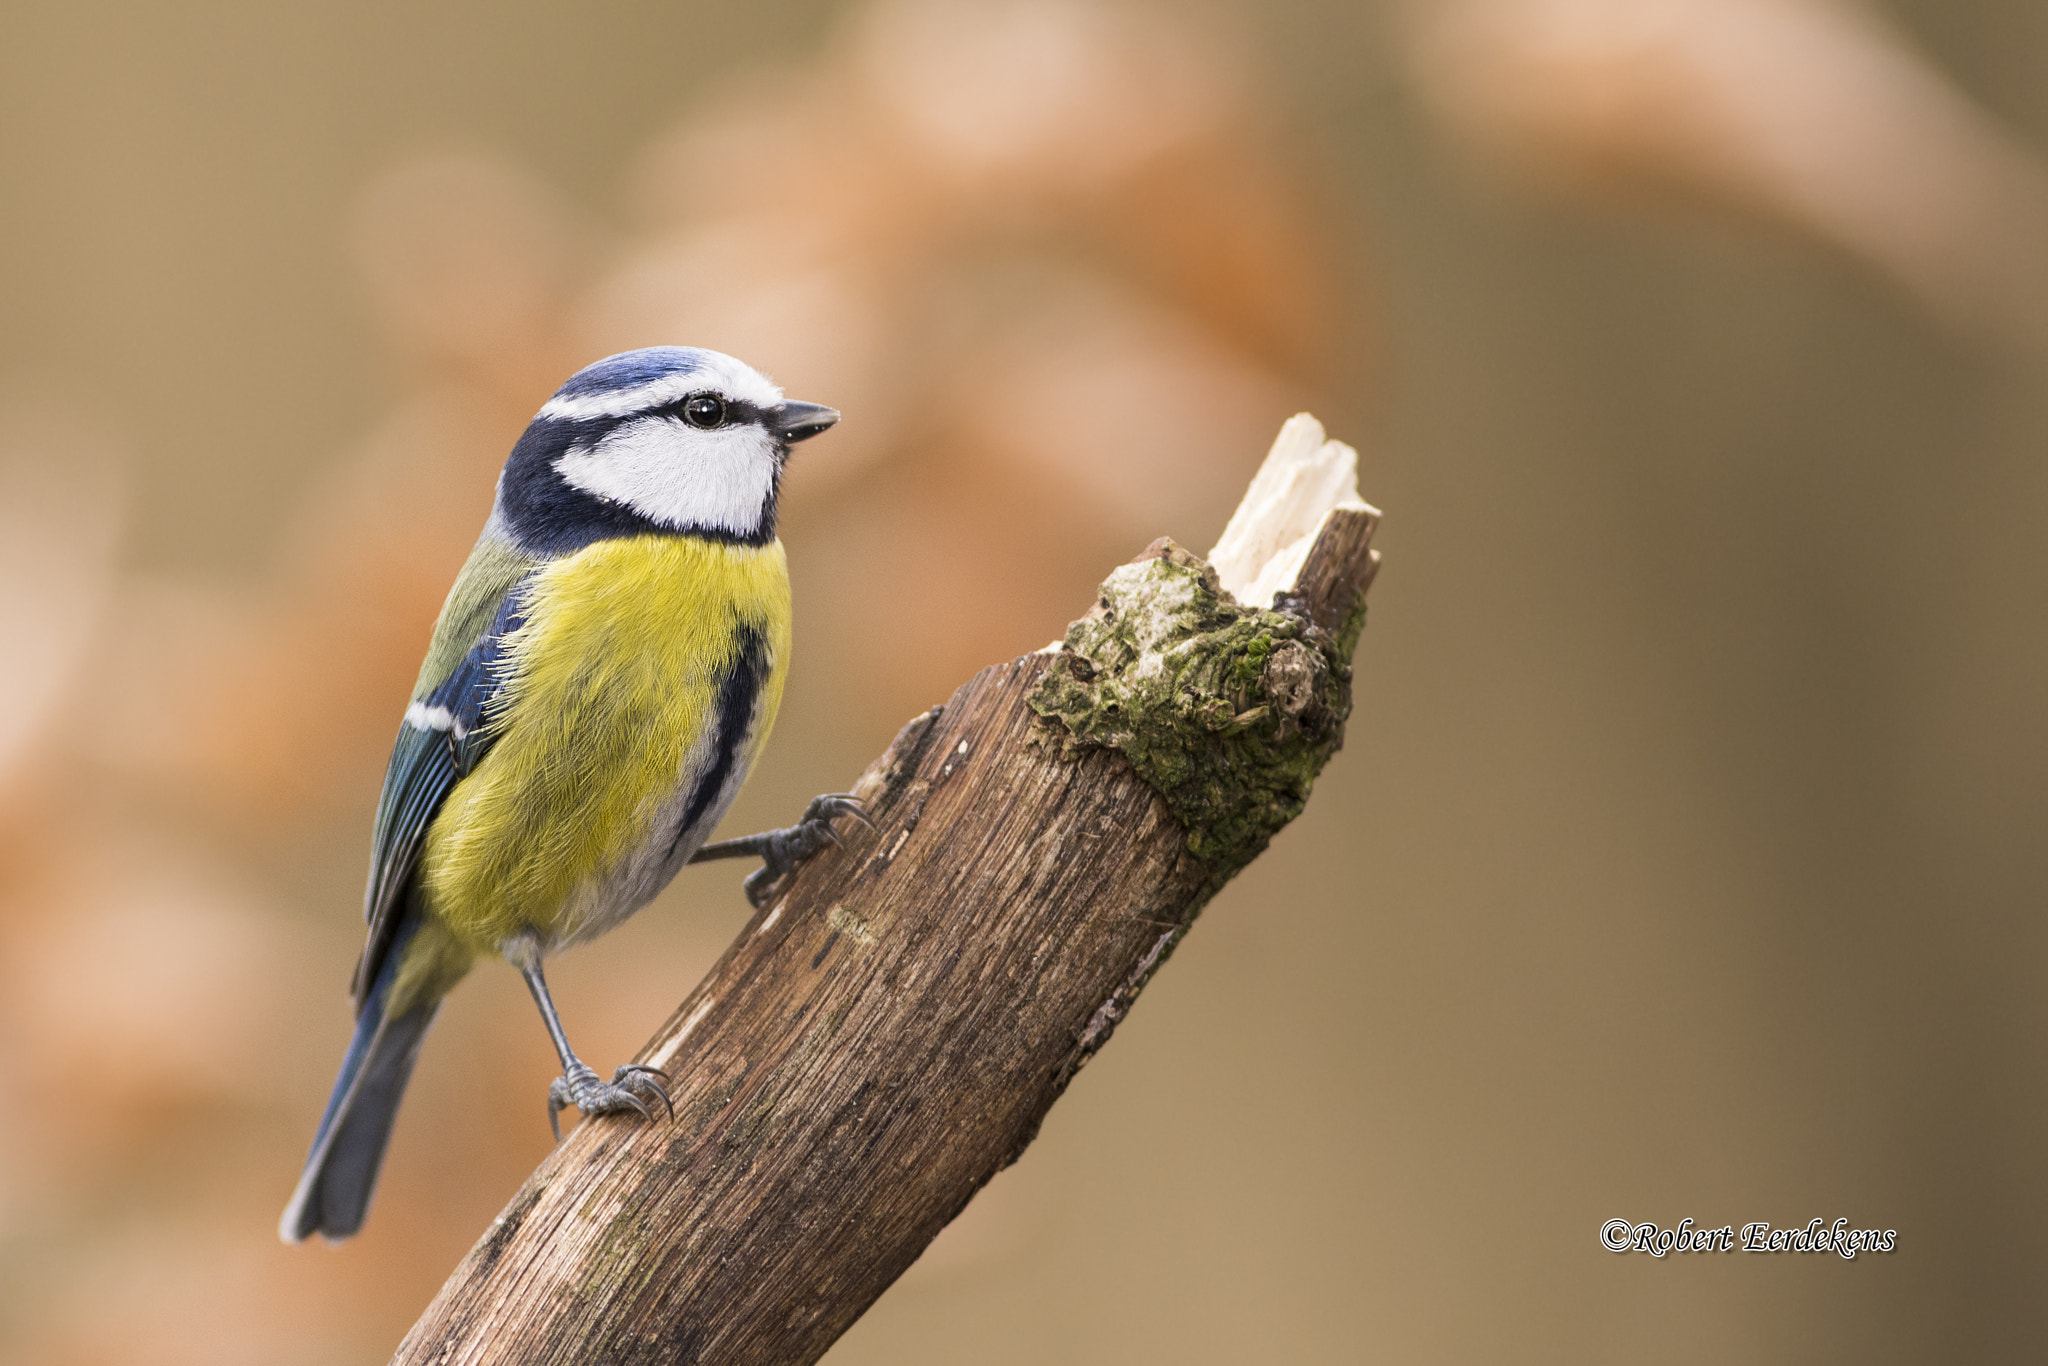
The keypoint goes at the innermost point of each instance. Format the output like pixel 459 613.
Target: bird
pixel 601 678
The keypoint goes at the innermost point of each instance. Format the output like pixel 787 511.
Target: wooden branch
pixel 889 1033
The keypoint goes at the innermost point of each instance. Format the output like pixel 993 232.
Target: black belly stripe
pixel 737 695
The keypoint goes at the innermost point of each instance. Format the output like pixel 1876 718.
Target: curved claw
pixel 784 851
pixel 634 1075
pixel 561 1094
pixel 627 1090
pixel 832 805
pixel 653 1093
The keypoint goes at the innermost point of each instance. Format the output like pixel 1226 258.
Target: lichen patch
pixel 1227 711
pixel 851 925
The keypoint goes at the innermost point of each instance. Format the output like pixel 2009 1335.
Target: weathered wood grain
pixel 1339 568
pixel 875 1046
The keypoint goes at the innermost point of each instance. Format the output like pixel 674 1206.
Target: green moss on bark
pixel 1227 711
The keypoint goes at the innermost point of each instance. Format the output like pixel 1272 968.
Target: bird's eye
pixel 705 410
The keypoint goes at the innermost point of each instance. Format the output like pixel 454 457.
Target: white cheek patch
pixel 678 475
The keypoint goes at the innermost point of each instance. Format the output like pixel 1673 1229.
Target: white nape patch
pixel 715 373
pixel 679 475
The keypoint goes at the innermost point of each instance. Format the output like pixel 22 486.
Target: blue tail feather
pixel 341 1170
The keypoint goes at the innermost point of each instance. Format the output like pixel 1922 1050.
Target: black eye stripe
pixel 736 412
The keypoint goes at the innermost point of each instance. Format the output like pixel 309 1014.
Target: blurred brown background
pixel 1686 859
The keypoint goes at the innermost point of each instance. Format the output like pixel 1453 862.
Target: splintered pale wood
pixel 874 1047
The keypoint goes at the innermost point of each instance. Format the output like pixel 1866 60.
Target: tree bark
pixel 891 1030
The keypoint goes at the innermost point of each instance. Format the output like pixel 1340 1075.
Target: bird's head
pixel 664 439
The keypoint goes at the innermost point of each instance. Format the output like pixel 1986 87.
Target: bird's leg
pixel 782 852
pixel 632 1087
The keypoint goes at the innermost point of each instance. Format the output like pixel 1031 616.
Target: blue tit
pixel 602 677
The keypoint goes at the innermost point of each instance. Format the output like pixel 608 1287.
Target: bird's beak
pixel 800 421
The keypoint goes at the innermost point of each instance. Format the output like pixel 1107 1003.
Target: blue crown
pixel 631 369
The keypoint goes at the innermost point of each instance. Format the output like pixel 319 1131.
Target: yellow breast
pixel 610 708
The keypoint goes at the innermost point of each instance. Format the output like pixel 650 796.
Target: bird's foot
pixel 633 1087
pixel 784 851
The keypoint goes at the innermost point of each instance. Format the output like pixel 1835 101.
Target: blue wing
pixel 447 731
